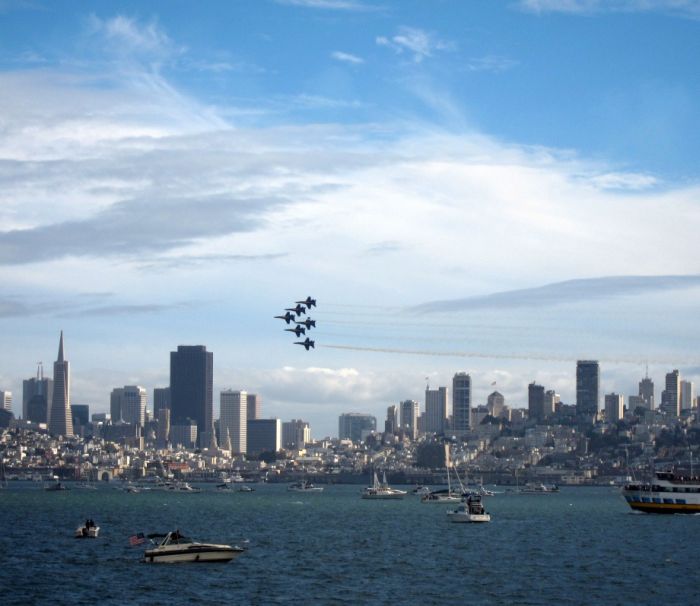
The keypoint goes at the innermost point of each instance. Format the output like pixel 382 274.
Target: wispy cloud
pixel 128 36
pixel 681 8
pixel 338 5
pixel 571 291
pixel 418 42
pixel 347 57
pixel 491 63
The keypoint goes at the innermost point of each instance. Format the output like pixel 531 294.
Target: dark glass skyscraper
pixel 192 389
pixel 461 402
pixel 587 387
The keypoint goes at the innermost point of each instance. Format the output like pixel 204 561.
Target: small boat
pixel 182 487
pixel 304 486
pixel 87 531
pixel 382 490
pixel 245 488
pixel 421 490
pixel 443 495
pixel 175 547
pixel 534 488
pixel 54 487
pixel 469 510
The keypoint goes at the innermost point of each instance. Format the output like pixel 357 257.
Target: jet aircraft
pixel 288 317
pixel 307 344
pixel 299 309
pixel 297 330
pixel 308 323
pixel 309 302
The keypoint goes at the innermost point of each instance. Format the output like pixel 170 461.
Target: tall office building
pixel 128 405
pixel 687 395
pixel 551 400
pixel 496 404
pixel 295 434
pixel 461 402
pixel 355 426
pixel 161 398
pixel 409 417
pixel 535 401
pixel 233 417
pixel 587 388
pixel 671 396
pixel 391 425
pixel 614 407
pixel 6 400
pixel 254 402
pixel 264 435
pixel 646 392
pixel 61 418
pixel 436 410
pixel 192 389
pixel 163 433
pixel 36 397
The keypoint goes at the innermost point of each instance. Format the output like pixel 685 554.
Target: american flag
pixel 137 539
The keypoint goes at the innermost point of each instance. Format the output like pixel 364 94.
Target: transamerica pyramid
pixel 61 419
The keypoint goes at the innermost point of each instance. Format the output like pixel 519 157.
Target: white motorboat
pixel 175 547
pixel 382 490
pixel 469 510
pixel 304 486
pixel 421 490
pixel 534 488
pixel 87 531
pixel 181 487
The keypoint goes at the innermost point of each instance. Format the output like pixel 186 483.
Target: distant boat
pixel 54 487
pixel 304 486
pixel 538 488
pixel 470 510
pixel 87 531
pixel 382 490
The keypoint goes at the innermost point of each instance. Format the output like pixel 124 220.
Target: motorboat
pixel 443 495
pixel 470 510
pixel 181 487
pixel 55 486
pixel 382 490
pixel 421 490
pixel 174 547
pixel 538 488
pixel 245 488
pixel 87 531
pixel 304 486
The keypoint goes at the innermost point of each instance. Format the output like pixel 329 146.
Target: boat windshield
pixel 176 538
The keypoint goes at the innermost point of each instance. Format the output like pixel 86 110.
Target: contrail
pixel 509 356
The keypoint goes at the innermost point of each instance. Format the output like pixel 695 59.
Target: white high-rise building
pixel 233 418
pixel 436 410
pixel 614 407
pixel 687 395
pixel 409 417
pixel 134 400
pixel 295 434
pixel 6 400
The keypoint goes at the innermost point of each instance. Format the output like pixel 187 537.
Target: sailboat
pixel 448 495
pixel 382 490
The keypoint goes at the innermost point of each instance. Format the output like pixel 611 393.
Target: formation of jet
pixel 308 344
pixel 293 314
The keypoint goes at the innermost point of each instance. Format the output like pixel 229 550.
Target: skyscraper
pixel 535 401
pixel 391 425
pixel 587 388
pixel 61 418
pixel 496 404
pixel 295 434
pixel 254 401
pixel 436 410
pixel 671 396
pixel 614 407
pixel 6 400
pixel 233 410
pixel 646 392
pixel 161 398
pixel 461 402
pixel 687 395
pixel 356 426
pixel 409 417
pixel 36 397
pixel 191 390
pixel 264 435
pixel 128 405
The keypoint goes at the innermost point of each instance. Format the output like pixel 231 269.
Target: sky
pixel 496 187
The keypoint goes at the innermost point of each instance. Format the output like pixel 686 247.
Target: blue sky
pixel 496 187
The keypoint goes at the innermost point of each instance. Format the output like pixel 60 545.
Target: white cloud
pixel 342 5
pixel 420 43
pixel 490 63
pixel 681 8
pixel 347 57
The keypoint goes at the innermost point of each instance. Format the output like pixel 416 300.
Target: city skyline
pixel 500 189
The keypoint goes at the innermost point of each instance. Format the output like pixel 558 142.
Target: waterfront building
pixel 233 417
pixel 671 396
pixel 687 395
pixel 409 417
pixel 191 390
pixel 646 392
pixel 436 410
pixel 391 425
pixel 60 417
pixel 614 407
pixel 356 426
pixel 254 404
pixel 264 435
pixel 461 403
pixel 496 403
pixel 295 434
pixel 535 401
pixel 587 388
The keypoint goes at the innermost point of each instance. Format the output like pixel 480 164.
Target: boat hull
pixel 192 554
pixel 661 503
pixel 470 518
